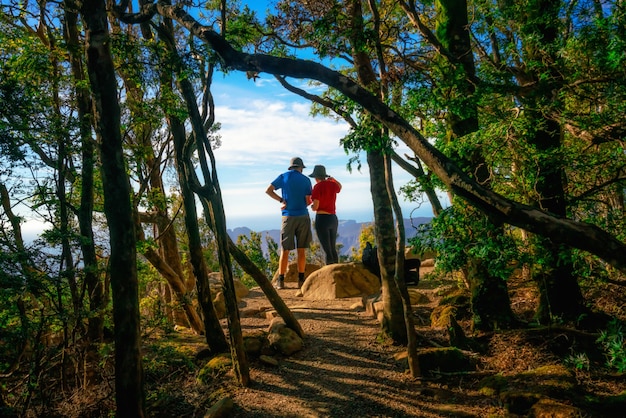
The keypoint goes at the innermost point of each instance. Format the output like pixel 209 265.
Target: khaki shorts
pixel 295 230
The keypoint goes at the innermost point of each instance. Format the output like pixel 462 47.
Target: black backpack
pixel 411 266
pixel 370 259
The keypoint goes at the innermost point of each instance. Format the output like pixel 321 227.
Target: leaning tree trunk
pixel 214 334
pixel 129 390
pixel 210 192
pixel 216 214
pixel 266 286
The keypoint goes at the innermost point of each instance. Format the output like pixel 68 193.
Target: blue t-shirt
pixel 295 187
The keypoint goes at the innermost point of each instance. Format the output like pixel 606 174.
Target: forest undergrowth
pixel 347 369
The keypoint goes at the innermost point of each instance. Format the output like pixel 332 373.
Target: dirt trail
pixel 345 370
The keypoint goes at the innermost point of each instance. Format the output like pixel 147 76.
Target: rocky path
pixel 345 370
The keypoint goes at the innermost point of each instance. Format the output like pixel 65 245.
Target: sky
pixel 262 127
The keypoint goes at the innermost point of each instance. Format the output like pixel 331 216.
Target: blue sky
pixel 263 126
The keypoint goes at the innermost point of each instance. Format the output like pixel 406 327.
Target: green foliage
pixel 252 246
pixel 460 234
pixel 273 253
pixel 165 359
pixel 366 235
pixel 315 254
pixel 579 362
pixel 152 304
pixel 614 344
pixel 368 135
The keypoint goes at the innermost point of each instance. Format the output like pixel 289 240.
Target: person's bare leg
pixel 283 262
pixel 301 260
pixel 301 265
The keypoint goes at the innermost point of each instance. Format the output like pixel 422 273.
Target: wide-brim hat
pixel 319 172
pixel 296 162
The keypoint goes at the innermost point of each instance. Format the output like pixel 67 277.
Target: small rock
pixel 220 409
pixel 268 360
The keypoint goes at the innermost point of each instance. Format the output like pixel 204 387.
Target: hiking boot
pixel 300 283
pixel 280 283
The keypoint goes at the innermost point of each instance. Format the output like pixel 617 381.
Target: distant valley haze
pixel 348 232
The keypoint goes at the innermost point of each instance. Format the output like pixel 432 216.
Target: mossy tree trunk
pixel 129 379
pixel 560 294
pixel 93 279
pixel 489 294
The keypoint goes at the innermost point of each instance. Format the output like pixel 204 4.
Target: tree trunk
pixel 215 216
pixel 393 319
pixel 560 294
pixel 117 205
pixel 240 361
pixel 491 305
pixel 177 286
pixel 393 323
pixel 489 294
pixel 95 290
pixel 167 260
pixel 266 286
pixel 399 278
pixel 215 337
pixel 422 178
pixel 214 333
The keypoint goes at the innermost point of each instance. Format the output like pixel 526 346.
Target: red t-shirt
pixel 326 192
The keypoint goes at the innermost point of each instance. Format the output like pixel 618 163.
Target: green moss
pixel 443 359
pixel 214 367
pixel 164 358
pixel 493 385
pixel 551 380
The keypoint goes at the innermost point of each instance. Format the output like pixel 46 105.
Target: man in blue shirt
pixel 295 230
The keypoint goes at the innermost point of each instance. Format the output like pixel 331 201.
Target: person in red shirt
pixel 324 197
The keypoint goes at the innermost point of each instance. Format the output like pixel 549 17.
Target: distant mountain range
pixel 348 232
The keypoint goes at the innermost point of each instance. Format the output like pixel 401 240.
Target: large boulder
pixel 344 280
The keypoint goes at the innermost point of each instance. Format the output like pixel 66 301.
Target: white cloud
pixel 272 131
pixel 262 128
